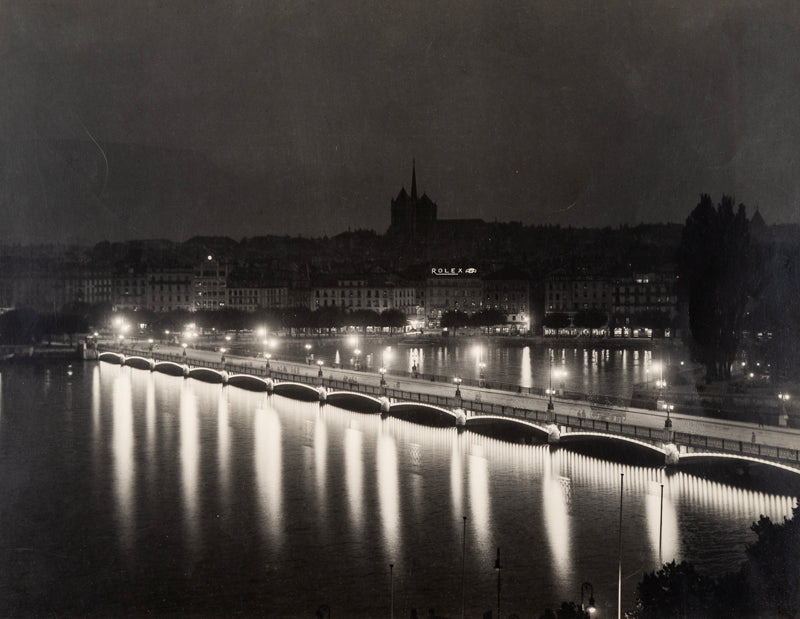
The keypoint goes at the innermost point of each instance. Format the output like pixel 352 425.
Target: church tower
pixel 413 217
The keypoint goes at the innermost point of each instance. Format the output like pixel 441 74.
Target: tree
pixel 766 585
pixel 21 326
pixel 717 278
pixel 590 319
pixel 772 571
pixel 454 319
pixel 393 319
pixel 556 321
pixel 363 318
pixel 676 590
pixel 488 318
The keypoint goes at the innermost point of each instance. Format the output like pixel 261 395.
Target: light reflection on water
pixel 587 369
pixel 291 505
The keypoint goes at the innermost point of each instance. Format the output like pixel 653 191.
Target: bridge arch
pixel 111 357
pixel 251 383
pixel 297 391
pixel 207 375
pixel 169 367
pixel 614 447
pixel 424 414
pixel 507 428
pixel 140 363
pixel 359 402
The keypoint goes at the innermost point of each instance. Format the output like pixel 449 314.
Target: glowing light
pixel 389 493
pixel 190 461
pixel 122 449
pixel 268 463
pixel 556 516
pixel 224 447
pixel 478 473
pixel 354 474
pixel 321 459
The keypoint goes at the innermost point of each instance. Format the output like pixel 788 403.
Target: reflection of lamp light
pixel 497 569
pixel 591 607
pixel 550 406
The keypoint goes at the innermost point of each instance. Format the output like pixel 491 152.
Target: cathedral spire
pixel 413 179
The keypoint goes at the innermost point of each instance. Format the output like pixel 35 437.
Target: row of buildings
pixel 423 294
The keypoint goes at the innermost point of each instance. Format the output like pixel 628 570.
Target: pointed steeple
pixel 413 179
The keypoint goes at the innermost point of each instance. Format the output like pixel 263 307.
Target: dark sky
pixel 132 119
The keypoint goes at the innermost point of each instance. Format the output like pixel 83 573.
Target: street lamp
pixel 184 349
pixel 587 586
pixel 383 376
pixel 482 374
pixel 457 381
pixel 308 354
pixel 320 363
pixel 669 408
pixel 222 352
pixel 150 342
pixel 783 420
pixel 357 352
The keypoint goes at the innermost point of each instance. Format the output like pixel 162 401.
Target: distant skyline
pixel 127 119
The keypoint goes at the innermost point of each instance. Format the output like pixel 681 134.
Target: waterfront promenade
pixel 689 432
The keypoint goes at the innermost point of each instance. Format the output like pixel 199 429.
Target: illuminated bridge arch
pixel 140 363
pixel 207 375
pixel 613 447
pixel 251 383
pixel 423 414
pixel 297 391
pixel 169 367
pixel 111 357
pixel 706 459
pixel 507 428
pixel 352 401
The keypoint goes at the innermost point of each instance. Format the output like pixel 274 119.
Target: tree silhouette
pixel 454 319
pixel 717 278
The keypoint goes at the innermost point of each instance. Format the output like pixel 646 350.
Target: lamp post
pixel 391 590
pixel 222 357
pixel 497 569
pixel 308 354
pixel 320 363
pixel 587 586
pixel 383 376
pixel 783 418
pixel 482 374
pixel 150 344
pixel 669 408
pixel 184 349
pixel 457 381
pixel 357 352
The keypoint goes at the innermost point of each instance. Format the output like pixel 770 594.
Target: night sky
pixel 128 119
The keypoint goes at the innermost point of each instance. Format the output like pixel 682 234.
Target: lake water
pixel 126 492
pixel 576 367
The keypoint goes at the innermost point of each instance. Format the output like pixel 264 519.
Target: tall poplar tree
pixel 717 277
